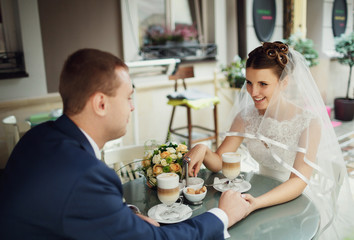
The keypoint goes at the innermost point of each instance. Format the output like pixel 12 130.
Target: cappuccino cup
pixel 168 188
pixel 231 164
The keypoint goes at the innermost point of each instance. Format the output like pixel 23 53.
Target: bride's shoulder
pixel 300 112
pixel 247 115
pixel 248 112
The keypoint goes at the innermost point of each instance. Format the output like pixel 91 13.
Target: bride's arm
pixel 212 160
pixel 294 186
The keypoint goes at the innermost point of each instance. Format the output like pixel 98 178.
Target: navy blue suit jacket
pixel 54 187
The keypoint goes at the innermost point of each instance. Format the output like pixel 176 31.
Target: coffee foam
pixel 167 180
pixel 231 157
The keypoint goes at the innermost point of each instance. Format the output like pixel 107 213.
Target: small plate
pixel 243 186
pixel 184 211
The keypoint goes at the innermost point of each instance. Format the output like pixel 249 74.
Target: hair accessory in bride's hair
pixel 277 51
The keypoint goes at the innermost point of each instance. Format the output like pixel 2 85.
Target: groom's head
pixel 96 90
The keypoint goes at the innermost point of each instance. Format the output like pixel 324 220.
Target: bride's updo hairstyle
pixel 269 56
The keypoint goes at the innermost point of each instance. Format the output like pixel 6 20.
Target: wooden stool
pixel 182 74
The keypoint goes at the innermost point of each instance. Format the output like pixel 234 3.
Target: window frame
pixel 130 28
pixel 12 64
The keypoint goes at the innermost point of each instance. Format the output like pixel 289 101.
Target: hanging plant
pixel 305 47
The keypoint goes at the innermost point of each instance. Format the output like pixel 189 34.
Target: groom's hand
pixel 234 205
pixel 149 220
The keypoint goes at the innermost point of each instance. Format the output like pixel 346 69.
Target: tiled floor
pixel 345 134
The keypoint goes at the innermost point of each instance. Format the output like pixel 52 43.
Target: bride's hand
pixel 252 201
pixel 196 155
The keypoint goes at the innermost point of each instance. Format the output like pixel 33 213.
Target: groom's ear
pixel 99 103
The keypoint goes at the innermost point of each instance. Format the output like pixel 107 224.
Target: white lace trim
pixel 287 132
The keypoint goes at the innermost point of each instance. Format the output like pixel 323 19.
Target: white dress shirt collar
pixel 93 145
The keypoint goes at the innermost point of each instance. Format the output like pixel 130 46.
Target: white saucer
pixel 184 211
pixel 243 186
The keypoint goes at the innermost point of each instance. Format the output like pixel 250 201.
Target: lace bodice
pixel 287 132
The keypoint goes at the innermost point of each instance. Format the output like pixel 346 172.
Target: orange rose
pixel 157 169
pixel 175 167
pixel 182 148
pixel 165 154
pixel 146 163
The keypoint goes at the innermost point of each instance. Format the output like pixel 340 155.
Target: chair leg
pixel 170 125
pixel 216 131
pixel 189 122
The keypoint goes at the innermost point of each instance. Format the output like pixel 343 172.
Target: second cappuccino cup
pixel 231 164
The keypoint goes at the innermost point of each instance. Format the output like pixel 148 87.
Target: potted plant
pixel 344 45
pixel 305 47
pixel 235 72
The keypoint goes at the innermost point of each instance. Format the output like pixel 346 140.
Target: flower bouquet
pixel 164 158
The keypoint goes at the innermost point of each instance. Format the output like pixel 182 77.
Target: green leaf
pixel 180 161
pixel 304 46
pixel 344 45
pixel 166 169
pixel 169 160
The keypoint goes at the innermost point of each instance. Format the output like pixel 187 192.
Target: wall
pixel 22 109
pixel 330 76
pixel 35 84
pixel 252 40
pixel 232 41
pixel 70 25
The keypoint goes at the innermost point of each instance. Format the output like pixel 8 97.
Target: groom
pixel 54 185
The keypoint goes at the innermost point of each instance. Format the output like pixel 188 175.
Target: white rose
pixel 156 159
pixel 179 155
pixel 174 156
pixel 163 162
pixel 171 150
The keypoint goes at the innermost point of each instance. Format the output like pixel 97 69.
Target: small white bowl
pixel 195 182
pixel 181 187
pixel 194 198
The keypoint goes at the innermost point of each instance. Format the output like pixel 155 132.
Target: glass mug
pixel 168 192
pixel 231 166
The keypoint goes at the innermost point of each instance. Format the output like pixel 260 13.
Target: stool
pixel 196 103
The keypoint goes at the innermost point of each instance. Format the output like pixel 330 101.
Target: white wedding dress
pixel 287 132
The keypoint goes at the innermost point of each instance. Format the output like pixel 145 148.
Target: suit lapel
pixel 65 125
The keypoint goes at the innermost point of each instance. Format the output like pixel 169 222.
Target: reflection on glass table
pixel 297 219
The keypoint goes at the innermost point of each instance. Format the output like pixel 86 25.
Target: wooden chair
pixel 126 161
pixel 181 75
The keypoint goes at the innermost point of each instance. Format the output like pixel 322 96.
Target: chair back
pixel 126 161
pixel 12 133
pixel 181 74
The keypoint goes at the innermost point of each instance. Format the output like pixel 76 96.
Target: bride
pixel 281 118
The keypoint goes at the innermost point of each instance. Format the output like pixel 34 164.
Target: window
pixel 11 54
pixel 161 21
pixel 166 29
